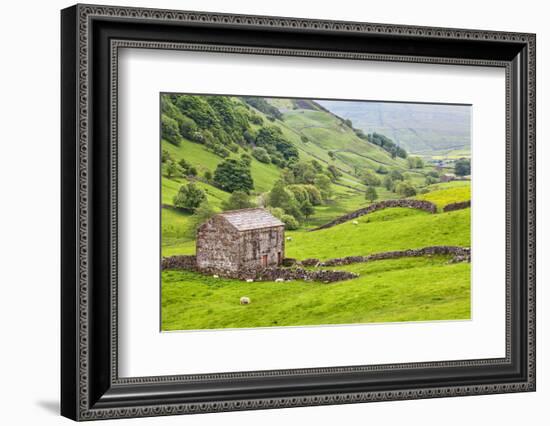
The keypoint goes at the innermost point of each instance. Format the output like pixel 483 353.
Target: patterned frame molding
pixel 77 337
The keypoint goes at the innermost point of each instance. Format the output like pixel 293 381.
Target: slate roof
pixel 248 219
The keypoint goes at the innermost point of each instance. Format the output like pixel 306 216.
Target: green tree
pixel 405 189
pixel 281 197
pixel 261 155
pixel 463 167
pixel 323 183
pixel 208 175
pixel 233 175
pixel 238 200
pixel 165 156
pixel 388 183
pixel 172 169
pixel 307 208
pixel 202 213
pixel 371 194
pixel 370 178
pixel 189 197
pixel 396 175
pixel 170 130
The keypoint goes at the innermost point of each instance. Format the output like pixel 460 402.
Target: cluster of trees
pixel 463 167
pixel 262 105
pixel 415 162
pixel 223 123
pixel 303 185
pixel 172 168
pixel 384 142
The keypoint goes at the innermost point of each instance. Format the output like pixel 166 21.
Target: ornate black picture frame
pixel 91 36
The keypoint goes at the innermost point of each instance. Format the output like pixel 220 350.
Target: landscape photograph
pixel 279 212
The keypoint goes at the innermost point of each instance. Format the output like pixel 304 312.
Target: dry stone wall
pixel 457 206
pixel 412 204
pixel 461 254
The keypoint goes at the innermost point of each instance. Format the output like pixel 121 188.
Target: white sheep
pixel 279 280
pixel 355 222
pixel 245 300
pixel 215 276
pixel 249 280
pixel 289 238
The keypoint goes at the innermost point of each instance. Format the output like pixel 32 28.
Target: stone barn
pixel 240 240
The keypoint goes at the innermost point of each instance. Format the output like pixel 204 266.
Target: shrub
pixel 172 169
pixel 189 197
pixel 290 222
pixel 261 155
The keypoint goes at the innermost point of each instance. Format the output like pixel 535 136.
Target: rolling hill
pixel 426 129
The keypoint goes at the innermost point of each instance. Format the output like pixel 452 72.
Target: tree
pixel 208 175
pixel 306 208
pixel 281 197
pixel 170 130
pixel 233 175
pixel 323 183
pixel 388 183
pixel 371 194
pixel 189 197
pixel 238 200
pixel 396 175
pixel 370 178
pixel 261 155
pixel 165 156
pixel 463 167
pixel 172 169
pixel 202 213
pixel 405 189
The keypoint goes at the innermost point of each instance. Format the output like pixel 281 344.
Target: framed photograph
pixel 264 212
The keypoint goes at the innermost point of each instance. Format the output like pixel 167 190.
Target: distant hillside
pixel 428 129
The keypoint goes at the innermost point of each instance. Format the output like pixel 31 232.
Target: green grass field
pixel 386 291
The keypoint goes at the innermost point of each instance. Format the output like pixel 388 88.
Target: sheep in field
pixel 249 280
pixel 279 280
pixel 245 300
pixel 355 222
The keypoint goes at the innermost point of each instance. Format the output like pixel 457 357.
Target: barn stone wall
pixel 218 246
pixel 259 242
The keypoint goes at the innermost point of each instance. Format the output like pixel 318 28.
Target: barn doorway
pixel 279 258
pixel 264 260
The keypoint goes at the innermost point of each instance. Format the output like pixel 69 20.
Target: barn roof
pixel 248 219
